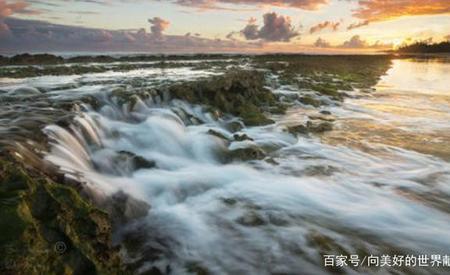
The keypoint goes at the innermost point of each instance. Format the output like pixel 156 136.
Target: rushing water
pixel 377 184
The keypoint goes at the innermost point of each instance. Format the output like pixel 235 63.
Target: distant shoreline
pixel 53 59
pixel 425 55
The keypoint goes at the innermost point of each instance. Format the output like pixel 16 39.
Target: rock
pixel 241 137
pixel 245 154
pixel 241 93
pixel 217 134
pixel 328 90
pixel 325 112
pixel 196 268
pixel 322 117
pixel 122 163
pixel 311 127
pixel 55 225
pixel 65 121
pixel 251 219
pixel 35 59
pixel 3 60
pixel 308 100
pixel 234 126
pixel 92 59
pixel 229 201
pixel 320 127
pixel 271 161
pixel 319 170
pixel 298 129
pixel 137 162
pixel 123 208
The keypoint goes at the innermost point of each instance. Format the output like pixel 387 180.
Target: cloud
pixel 158 26
pixel 356 42
pixel 321 43
pixel 275 28
pixel 379 10
pixel 358 25
pixel 219 4
pixel 447 37
pixel 8 9
pixel 41 36
pixel 250 32
pixel 323 25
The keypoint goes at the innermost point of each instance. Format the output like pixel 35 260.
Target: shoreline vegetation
pixel 423 47
pixel 41 207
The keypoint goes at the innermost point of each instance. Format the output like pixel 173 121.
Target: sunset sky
pixel 314 26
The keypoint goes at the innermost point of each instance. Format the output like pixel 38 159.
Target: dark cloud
pixel 158 26
pixel 219 4
pixel 358 25
pixel 275 28
pixel 40 36
pixel 321 43
pixel 251 31
pixel 356 42
pixel 323 25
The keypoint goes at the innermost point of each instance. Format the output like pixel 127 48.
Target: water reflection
pixel 410 109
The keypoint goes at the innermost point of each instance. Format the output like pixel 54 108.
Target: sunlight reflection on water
pixel 410 109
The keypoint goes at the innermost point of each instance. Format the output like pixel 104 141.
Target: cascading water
pixel 276 215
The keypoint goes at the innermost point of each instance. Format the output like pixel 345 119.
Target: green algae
pixel 241 93
pixel 47 228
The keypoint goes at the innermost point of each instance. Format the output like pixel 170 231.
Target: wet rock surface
pixel 241 93
pixel 47 228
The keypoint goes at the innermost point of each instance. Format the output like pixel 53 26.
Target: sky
pixel 199 26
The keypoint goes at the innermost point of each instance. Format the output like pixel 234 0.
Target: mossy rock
pixel 328 90
pixel 308 100
pixel 240 93
pixel 298 129
pixel 320 127
pixel 248 153
pixel 311 127
pixel 38 216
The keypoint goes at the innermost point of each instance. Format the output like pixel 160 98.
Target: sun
pixel 396 43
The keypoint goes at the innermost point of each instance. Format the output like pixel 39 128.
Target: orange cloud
pixel 158 25
pixel 321 43
pixel 358 25
pixel 216 4
pixel 8 9
pixel 379 10
pixel 323 25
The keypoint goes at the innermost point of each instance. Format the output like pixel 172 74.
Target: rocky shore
pixel 50 225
